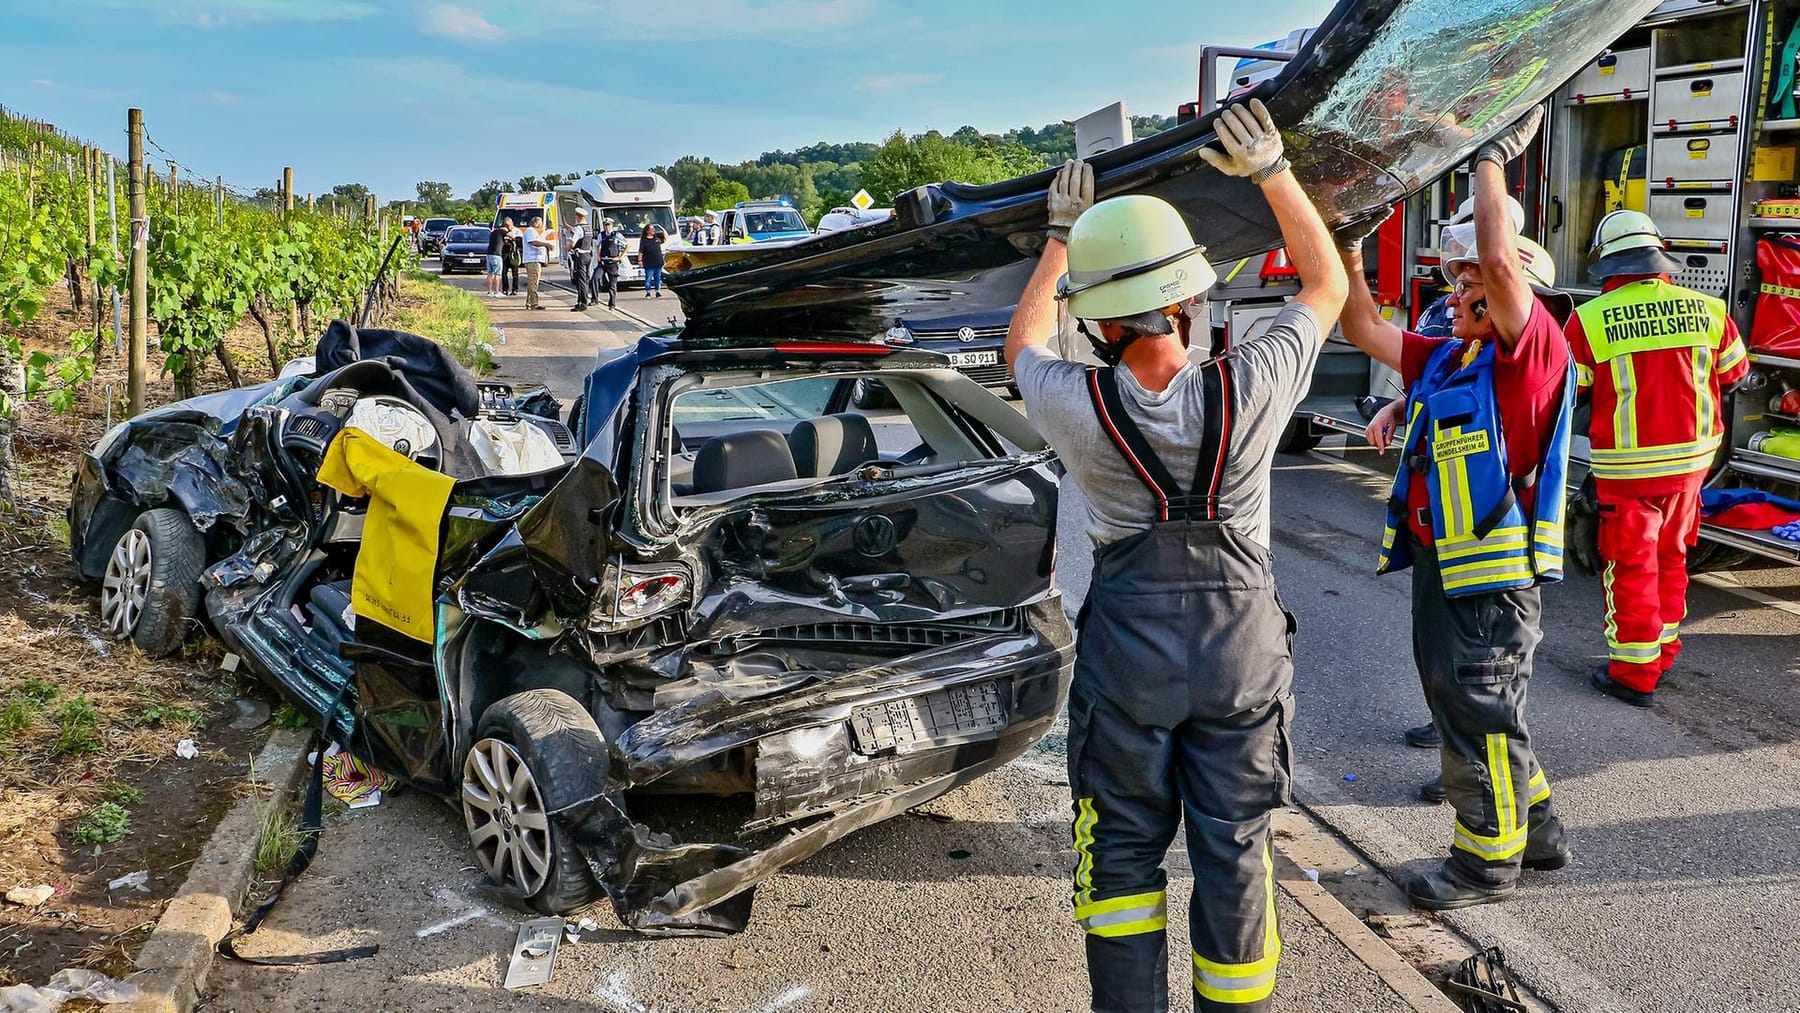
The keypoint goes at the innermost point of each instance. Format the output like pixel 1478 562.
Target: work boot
pixel 1443 890
pixel 1433 790
pixel 1603 681
pixel 1424 736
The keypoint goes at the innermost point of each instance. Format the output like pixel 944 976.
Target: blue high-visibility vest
pixel 1484 540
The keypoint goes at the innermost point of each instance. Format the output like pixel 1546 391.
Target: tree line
pixel 818 177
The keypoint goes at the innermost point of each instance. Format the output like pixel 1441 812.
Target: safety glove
pixel 1251 142
pixel 1071 193
pixel 1582 529
pixel 1511 143
pixel 1350 235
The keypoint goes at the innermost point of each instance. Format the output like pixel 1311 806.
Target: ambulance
pixel 521 208
pixel 1692 117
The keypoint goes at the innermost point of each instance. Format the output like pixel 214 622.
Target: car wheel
pixel 151 588
pixel 535 753
pixel 1299 437
pixel 1711 557
pixel 871 394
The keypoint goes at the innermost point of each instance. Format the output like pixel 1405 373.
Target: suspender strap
pixel 1215 442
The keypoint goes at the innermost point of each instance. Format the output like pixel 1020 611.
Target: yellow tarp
pixel 397 560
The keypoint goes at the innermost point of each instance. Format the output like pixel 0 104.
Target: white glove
pixel 1251 142
pixel 1071 193
pixel 1512 143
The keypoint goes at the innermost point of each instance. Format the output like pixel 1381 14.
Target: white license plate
pixel 961 359
pixel 957 714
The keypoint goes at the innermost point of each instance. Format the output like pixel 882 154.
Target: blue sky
pixel 388 92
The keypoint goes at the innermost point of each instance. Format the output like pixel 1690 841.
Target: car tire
pixel 1299 437
pixel 150 590
pixel 871 394
pixel 1711 557
pixel 564 761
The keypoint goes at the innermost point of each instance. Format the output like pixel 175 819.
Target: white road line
pixel 1731 585
pixel 617 993
pixel 786 999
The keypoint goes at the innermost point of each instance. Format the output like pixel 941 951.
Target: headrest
pixel 744 459
pixel 833 445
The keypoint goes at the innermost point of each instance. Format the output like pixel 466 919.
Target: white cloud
pixel 895 82
pixel 797 22
pixel 453 22
pixel 42 82
pixel 220 98
pixel 226 13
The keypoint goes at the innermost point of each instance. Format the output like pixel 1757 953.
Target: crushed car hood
pixel 1385 97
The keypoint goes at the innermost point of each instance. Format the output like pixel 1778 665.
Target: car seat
pixel 756 457
pixel 832 445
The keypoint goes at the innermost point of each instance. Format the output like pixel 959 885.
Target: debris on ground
pixel 572 930
pixel 68 983
pixel 139 881
pixel 251 713
pixel 1481 984
pixel 354 782
pixel 187 749
pixel 30 896
pixel 534 953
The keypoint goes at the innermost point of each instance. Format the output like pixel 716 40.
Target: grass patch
pixel 456 319
pixel 124 794
pixel 157 714
pixel 78 727
pixel 279 841
pixel 286 716
pixel 106 823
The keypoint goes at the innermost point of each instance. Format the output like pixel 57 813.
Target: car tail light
pixel 638 594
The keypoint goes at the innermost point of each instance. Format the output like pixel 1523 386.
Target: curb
pixel 1407 982
pixel 174 962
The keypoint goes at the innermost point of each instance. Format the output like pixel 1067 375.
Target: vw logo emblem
pixel 875 535
pixel 965 334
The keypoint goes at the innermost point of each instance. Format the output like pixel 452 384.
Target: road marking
pixel 616 991
pixel 1731 585
pixel 786 999
pixel 450 923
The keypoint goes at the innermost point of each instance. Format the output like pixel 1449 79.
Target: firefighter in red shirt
pixel 1655 356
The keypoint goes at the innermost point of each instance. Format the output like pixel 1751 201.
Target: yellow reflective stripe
pixel 1732 354
pixel 1506 805
pixel 1671 632
pixel 1249 982
pixel 1584 375
pixel 1506 571
pixel 1770 289
pixel 1085 818
pixel 1612 612
pixel 1538 788
pixel 1500 540
pixel 1703 405
pixel 1662 452
pixel 1625 412
pixel 1493 849
pixel 1124 916
pixel 1634 653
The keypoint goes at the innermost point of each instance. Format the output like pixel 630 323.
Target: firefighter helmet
pixel 1628 242
pixel 1457 246
pixel 1130 255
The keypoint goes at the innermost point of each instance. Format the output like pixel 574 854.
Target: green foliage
pixel 39 691
pixel 279 840
pixel 106 823
pixel 906 162
pixel 125 794
pixel 286 716
pixel 434 197
pixel 18 716
pixel 456 319
pixel 78 727
pixel 157 714
pixel 721 194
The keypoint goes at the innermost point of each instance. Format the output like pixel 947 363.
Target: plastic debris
pixel 1481 984
pixel 1312 874
pixel 1350 777
pixel 30 896
pixel 534 953
pixel 139 881
pixel 572 930
pixel 68 983
pixel 250 714
pixel 229 663
pixel 187 749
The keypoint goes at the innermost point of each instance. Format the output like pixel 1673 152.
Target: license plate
pixel 957 714
pixel 472 260
pixel 961 359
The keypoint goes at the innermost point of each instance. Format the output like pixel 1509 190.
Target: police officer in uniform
pixel 611 252
pixel 1656 357
pixel 1181 703
pixel 1477 513
pixel 581 251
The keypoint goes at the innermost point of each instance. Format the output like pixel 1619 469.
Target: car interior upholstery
pixel 753 457
pixel 832 445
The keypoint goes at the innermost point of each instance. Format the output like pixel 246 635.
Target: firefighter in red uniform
pixel 1655 356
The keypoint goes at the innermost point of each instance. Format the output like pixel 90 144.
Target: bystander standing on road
pixel 650 254
pixel 1181 701
pixel 609 252
pixel 1477 514
pixel 536 247
pixel 512 255
pixel 1656 357
pixel 581 252
pixel 496 249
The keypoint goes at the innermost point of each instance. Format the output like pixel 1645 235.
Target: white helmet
pixel 1130 255
pixel 1465 212
pixel 1457 247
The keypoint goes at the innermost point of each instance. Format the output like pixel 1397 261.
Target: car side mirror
pixel 739 234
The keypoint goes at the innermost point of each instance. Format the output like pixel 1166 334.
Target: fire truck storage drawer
pixel 1709 97
pixel 1702 272
pixel 1612 73
pixel 1692 216
pixel 1693 156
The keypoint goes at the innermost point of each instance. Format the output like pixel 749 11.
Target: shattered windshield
pixel 1411 85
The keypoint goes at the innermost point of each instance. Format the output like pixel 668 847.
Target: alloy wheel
pixel 508 826
pixel 126 584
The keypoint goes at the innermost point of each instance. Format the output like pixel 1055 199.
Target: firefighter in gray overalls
pixel 1181 703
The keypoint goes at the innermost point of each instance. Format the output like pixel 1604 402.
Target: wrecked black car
pixel 724 580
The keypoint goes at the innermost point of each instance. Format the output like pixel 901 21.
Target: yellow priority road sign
pixel 862 200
